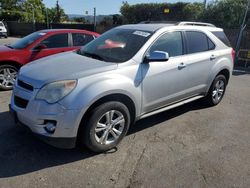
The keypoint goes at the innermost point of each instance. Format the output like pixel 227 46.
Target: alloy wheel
pixel 7 77
pixel 218 91
pixel 109 127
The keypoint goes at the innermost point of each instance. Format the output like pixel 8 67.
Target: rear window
pixel 1 24
pixel 221 35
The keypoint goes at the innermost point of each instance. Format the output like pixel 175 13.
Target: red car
pixel 37 45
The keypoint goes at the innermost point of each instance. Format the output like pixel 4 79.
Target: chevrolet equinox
pixel 94 94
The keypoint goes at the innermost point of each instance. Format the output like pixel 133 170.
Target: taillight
pixel 233 54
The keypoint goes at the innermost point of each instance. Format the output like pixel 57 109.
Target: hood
pixel 5 49
pixel 63 66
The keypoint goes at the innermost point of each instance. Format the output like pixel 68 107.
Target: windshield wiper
pixel 93 55
pixel 9 46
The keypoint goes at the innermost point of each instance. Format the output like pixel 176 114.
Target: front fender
pixel 91 89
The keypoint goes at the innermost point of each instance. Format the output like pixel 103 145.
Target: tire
pixel 98 134
pixel 8 75
pixel 216 91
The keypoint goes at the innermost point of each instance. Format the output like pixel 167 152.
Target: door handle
pixel 212 57
pixel 181 65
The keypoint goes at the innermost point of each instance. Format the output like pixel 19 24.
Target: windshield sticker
pixel 141 33
pixel 42 34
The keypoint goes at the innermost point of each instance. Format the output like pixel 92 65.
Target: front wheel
pixel 8 75
pixel 216 91
pixel 106 126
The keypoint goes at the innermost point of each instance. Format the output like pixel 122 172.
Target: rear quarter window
pixel 222 36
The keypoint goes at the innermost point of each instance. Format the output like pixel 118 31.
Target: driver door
pixel 165 82
pixel 54 44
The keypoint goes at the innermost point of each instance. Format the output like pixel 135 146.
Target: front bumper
pixel 37 113
pixel 3 34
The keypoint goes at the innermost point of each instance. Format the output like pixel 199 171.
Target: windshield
pixel 117 45
pixel 24 42
pixel 1 24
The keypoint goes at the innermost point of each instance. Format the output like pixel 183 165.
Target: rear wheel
pixel 216 91
pixel 8 75
pixel 106 126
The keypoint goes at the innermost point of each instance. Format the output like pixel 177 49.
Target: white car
pixel 3 30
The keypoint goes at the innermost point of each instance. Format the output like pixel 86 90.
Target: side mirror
pixel 40 47
pixel 157 56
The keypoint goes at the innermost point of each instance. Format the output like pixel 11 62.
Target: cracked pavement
pixel 190 146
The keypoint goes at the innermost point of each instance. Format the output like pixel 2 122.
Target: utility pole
pixel 94 19
pixel 58 14
pixel 242 28
pixel 47 17
pixel 205 4
pixel 33 17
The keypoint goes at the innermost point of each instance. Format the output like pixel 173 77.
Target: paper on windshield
pixel 141 33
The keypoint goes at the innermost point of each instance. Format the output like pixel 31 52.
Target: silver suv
pixel 131 72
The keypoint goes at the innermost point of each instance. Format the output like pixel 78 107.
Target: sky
pixel 103 7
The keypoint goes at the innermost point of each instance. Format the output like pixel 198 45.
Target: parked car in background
pixel 38 45
pixel 129 73
pixel 3 30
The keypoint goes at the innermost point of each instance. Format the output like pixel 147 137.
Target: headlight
pixel 55 91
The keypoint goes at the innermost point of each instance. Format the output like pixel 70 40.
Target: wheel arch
pixel 225 72
pixel 13 63
pixel 123 98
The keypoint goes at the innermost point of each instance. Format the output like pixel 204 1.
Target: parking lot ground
pixel 190 146
pixel 9 40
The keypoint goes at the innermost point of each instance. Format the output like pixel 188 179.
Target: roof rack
pixel 196 24
pixel 157 22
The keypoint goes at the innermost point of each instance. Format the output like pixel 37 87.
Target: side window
pixel 56 41
pixel 80 39
pixel 198 42
pixel 169 42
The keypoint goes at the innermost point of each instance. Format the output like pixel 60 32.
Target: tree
pixel 27 7
pixel 225 13
pixel 193 11
pixel 117 19
pixel 21 10
pixel 80 20
pixel 56 14
pixel 155 12
pixel 9 10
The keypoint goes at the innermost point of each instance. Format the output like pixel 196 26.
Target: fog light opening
pixel 50 126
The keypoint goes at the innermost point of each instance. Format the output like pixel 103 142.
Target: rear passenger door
pixel 81 39
pixel 201 56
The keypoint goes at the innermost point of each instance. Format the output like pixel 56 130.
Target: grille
pixel 21 103
pixel 25 85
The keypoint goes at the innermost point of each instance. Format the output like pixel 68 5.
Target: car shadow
pixel 165 116
pixel 21 152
